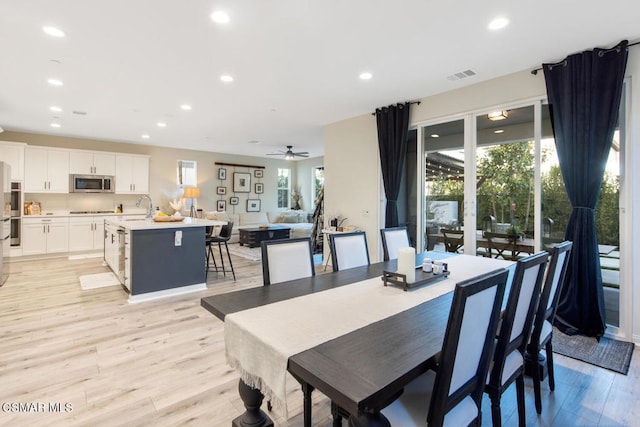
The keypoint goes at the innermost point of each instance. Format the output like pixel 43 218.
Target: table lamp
pixel 192 193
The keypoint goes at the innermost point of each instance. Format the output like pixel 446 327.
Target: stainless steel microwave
pixel 91 184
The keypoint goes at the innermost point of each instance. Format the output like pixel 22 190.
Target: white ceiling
pixel 131 63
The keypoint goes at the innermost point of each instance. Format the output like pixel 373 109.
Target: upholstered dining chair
pixel 286 259
pixel 348 250
pixel 222 238
pixel 393 239
pixel 453 240
pixel 513 335
pixel 543 324
pixel 453 394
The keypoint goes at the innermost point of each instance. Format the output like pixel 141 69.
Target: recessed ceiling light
pixel 498 131
pixel 366 76
pixel 53 31
pixel 226 78
pixel 144 136
pixel 435 135
pixel 162 124
pixel 186 107
pixel 54 82
pixel 55 108
pixel 55 125
pixel 498 23
pixel 219 17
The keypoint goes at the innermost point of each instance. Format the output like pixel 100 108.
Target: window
pixel 284 187
pixel 317 182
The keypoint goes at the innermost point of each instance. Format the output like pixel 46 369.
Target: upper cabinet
pixel 132 174
pixel 46 170
pixel 13 153
pixel 92 163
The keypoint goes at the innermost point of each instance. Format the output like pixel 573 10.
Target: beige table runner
pixel 259 341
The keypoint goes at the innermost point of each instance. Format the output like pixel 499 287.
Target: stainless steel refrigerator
pixel 5 220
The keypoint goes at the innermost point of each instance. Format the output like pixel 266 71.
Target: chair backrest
pixel 286 259
pixel 453 239
pixel 393 239
pixel 349 250
pixel 468 344
pixel 225 231
pixel 516 321
pixel 553 283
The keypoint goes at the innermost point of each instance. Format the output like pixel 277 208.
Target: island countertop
pixel 150 224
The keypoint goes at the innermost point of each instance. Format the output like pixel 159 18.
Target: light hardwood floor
pixel 162 363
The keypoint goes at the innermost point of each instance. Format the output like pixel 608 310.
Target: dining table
pixel 345 334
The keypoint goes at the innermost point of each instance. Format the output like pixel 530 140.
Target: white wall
pixel 352 166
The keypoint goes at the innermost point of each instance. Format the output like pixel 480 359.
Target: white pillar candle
pixel 407 263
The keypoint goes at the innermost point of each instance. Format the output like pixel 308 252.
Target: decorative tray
pixel 422 278
pixel 168 219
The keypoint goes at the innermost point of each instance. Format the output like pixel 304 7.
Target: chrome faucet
pixel 146 196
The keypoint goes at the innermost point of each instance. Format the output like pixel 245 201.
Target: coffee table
pixel 253 236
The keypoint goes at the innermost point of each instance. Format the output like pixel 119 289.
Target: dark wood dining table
pixel 361 371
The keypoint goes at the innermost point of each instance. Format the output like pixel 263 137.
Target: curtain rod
pixel 238 165
pixel 410 102
pixel 535 71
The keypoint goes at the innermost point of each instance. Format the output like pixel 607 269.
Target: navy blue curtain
pixel 584 94
pixel 393 129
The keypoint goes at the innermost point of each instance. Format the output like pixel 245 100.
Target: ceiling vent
pixel 79 113
pixel 461 75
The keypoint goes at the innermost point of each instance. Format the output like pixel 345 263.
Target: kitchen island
pixel 157 259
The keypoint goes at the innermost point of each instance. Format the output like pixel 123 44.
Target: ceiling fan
pixel 289 154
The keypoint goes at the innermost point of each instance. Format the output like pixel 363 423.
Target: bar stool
pixel 222 237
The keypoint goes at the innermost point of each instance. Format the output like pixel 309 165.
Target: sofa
pixel 298 221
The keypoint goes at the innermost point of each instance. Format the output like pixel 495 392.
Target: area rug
pixel 100 280
pixel 253 254
pixel 608 353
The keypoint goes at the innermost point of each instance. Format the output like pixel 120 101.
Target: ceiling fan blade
pixel 300 155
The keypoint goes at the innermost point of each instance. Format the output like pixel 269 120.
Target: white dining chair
pixel 543 324
pixel 393 239
pixel 286 259
pixel 515 329
pixel 348 250
pixel 452 395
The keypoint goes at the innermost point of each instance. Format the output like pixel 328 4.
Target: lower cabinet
pixel 86 233
pixel 45 235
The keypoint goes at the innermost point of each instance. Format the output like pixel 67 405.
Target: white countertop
pixel 149 224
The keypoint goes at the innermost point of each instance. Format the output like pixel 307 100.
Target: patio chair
pixel 515 327
pixel 453 240
pixel 453 395
pixel 542 332
pixel 348 250
pixel 393 239
pixel 286 259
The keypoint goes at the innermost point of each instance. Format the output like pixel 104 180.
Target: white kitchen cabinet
pixel 92 163
pixel 132 174
pixel 86 233
pixel 46 170
pixel 45 235
pixel 13 153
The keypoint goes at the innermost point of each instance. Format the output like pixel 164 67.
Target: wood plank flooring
pixel 162 363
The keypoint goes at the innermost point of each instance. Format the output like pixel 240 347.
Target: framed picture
pixel 258 173
pixel 221 190
pixel 241 182
pixel 259 188
pixel 253 205
pixel 222 205
pixel 234 200
pixel 222 173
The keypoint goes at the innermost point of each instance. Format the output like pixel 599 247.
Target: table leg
pixel 307 389
pixel 253 416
